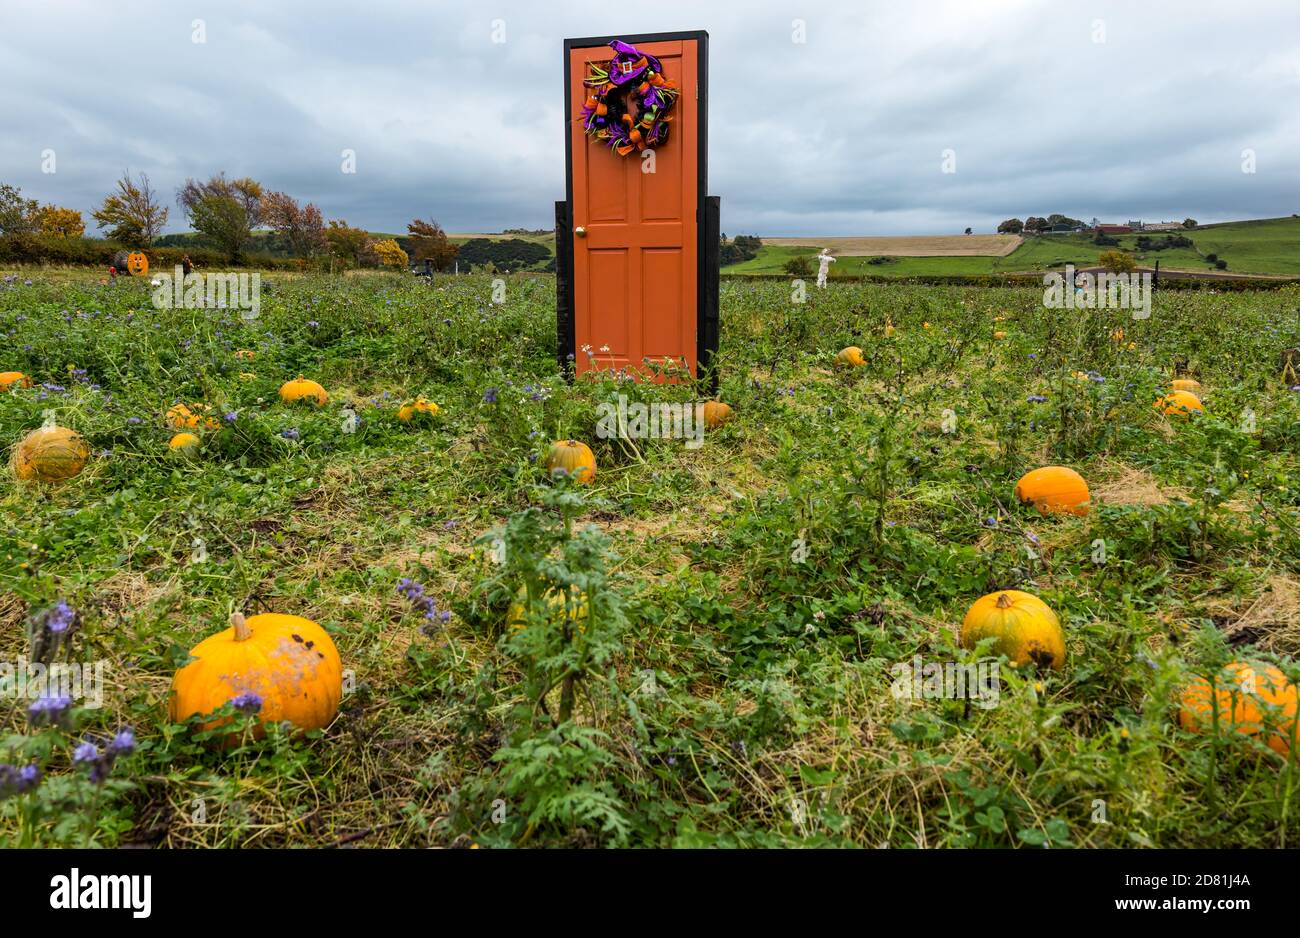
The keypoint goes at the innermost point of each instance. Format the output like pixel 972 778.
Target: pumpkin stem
pixel 1004 601
pixel 242 632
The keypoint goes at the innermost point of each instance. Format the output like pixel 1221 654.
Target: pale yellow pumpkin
pixel 50 454
pixel 850 356
pixel 573 458
pixel 288 662
pixel 556 607
pixel 184 443
pixel 1025 627
pixel 1186 384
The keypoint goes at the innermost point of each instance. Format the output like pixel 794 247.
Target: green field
pixel 730 669
pixel 1267 246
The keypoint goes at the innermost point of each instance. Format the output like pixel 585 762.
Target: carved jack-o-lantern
pixel 137 263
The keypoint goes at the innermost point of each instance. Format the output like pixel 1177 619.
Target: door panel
pixel 635 272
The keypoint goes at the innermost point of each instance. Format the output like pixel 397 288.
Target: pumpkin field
pixel 662 645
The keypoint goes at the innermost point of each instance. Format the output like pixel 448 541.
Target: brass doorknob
pixel 580 231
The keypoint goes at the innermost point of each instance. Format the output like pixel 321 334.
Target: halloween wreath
pixel 629 101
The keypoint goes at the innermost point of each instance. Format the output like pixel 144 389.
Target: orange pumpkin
pixel 182 417
pixel 850 356
pixel 184 443
pixel 14 379
pixel 288 662
pixel 303 389
pixel 715 414
pixel 1055 489
pixel 573 458
pixel 1025 627
pixel 1248 698
pixel 408 412
pixel 50 454
pixel 1180 404
pixel 245 354
pixel 137 263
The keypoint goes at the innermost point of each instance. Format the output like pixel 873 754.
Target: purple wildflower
pixel 85 752
pixel 1036 399
pixel 247 702
pixel 231 416
pixel 123 743
pixel 48 711
pixel 60 617
pixel 490 396
pixel 134 421
pixel 291 434
pixel 18 781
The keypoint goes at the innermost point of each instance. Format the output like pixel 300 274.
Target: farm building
pixel 1114 229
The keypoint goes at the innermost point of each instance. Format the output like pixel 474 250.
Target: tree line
pixel 227 214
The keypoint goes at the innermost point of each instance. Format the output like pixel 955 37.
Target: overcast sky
pixel 1117 110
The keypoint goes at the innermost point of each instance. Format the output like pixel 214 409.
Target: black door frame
pixel 707 214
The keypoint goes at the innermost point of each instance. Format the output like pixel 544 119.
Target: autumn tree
pixel 345 242
pixel 133 215
pixel 1117 261
pixel 388 254
pixel 429 242
pixel 225 211
pixel 16 213
pixel 59 222
pixel 301 227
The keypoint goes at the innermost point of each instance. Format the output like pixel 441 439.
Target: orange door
pixel 635 288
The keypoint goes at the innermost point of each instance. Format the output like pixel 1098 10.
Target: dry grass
pixel 918 246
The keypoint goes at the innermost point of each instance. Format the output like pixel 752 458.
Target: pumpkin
pixel 850 356
pixel 137 263
pixel 14 379
pixel 1054 489
pixel 289 662
pixel 1186 384
pixel 1180 404
pixel 715 414
pixel 303 389
pixel 50 454
pixel 1000 334
pixel 246 354
pixel 556 602
pixel 408 412
pixel 185 443
pixel 1237 693
pixel 182 417
pixel 576 459
pixel 1025 627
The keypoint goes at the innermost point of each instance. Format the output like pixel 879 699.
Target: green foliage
pixel 706 651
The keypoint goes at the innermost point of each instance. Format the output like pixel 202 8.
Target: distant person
pixel 186 265
pixel 824 261
pixel 112 273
